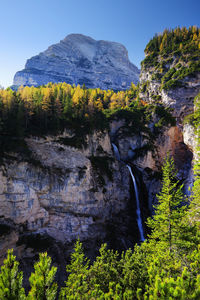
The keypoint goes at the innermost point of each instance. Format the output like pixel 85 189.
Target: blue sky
pixel 28 27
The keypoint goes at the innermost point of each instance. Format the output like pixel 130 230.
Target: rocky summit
pixel 79 59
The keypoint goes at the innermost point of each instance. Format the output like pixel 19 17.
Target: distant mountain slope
pixel 81 60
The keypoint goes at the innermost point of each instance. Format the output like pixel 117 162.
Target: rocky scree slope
pixel 79 59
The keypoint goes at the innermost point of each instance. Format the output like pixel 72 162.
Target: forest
pixel 50 108
pixel 53 108
pixel 173 55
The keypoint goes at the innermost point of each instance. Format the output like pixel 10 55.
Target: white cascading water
pixel 138 212
pixel 116 151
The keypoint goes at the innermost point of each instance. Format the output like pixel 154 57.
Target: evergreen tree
pixel 77 282
pixel 105 269
pixel 11 279
pixel 42 282
pixel 165 224
pixel 184 286
pixel 134 270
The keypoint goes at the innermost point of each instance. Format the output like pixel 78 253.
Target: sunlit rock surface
pixel 79 59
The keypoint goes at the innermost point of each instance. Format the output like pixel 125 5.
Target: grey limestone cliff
pixel 178 140
pixel 79 59
pixel 180 99
pixel 52 193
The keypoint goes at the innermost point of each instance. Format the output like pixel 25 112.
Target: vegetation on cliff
pixel 52 108
pixel 173 55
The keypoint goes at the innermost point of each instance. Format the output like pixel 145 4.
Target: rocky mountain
pixel 79 59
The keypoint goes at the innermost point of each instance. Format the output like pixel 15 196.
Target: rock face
pixel 169 140
pixel 79 59
pixel 64 193
pixel 181 99
pixel 57 193
pixel 179 140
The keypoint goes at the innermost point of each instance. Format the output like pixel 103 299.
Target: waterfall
pixel 138 212
pixel 116 151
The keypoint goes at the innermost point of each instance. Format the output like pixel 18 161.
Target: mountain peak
pixel 78 37
pixel 81 59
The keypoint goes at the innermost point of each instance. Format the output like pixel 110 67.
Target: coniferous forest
pixel 167 264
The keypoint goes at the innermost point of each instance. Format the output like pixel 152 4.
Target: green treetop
pixel 11 279
pixel 168 212
pixel 42 282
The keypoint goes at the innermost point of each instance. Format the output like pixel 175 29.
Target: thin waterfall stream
pixel 116 151
pixel 138 211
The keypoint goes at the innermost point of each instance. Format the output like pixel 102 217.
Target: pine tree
pixel 169 212
pixel 134 270
pixel 184 287
pixel 11 279
pixel 77 282
pixel 42 282
pixel 105 269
